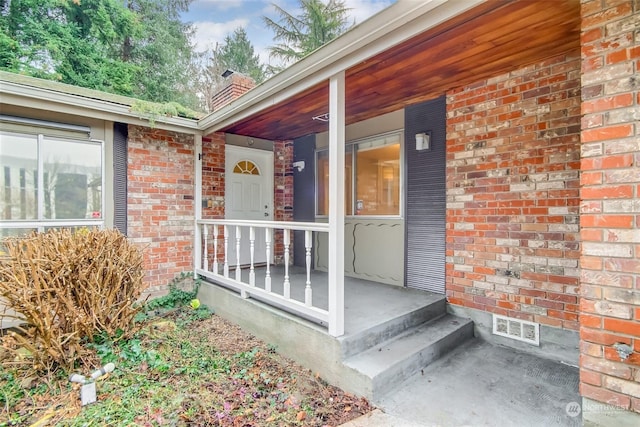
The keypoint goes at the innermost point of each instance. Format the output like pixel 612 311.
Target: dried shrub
pixel 69 287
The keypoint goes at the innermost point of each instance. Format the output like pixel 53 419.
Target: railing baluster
pixel 267 241
pixel 308 293
pixel 205 258
pixel 252 247
pixel 226 251
pixel 238 271
pixel 227 240
pixel 287 285
pixel 215 249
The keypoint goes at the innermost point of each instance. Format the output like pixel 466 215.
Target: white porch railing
pixel 219 241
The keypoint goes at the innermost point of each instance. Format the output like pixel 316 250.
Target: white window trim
pixel 41 223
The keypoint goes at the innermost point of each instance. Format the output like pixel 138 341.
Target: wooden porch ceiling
pixel 487 40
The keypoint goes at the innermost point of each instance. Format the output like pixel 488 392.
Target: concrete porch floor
pixel 367 303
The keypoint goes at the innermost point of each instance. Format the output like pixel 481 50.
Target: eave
pixel 410 52
pixel 388 28
pixel 60 98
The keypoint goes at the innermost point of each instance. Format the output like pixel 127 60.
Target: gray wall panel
pixel 120 134
pixel 425 201
pixel 303 192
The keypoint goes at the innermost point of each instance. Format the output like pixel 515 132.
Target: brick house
pixel 491 154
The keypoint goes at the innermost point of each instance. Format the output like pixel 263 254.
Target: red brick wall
pixel 610 209
pixel 513 161
pixel 160 202
pixel 283 193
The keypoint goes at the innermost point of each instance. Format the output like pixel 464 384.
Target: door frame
pixel 233 154
pixel 264 160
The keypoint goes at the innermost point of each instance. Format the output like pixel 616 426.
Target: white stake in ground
pixel 88 389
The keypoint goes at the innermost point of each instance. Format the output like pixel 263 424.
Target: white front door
pixel 248 195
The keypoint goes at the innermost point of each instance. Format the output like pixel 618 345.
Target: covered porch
pixel 389 331
pixel 411 55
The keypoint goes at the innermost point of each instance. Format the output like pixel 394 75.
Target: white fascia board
pixel 45 99
pixel 400 22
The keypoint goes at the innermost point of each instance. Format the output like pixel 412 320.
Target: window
pixel 322 183
pixel 372 177
pixel 48 182
pixel 246 167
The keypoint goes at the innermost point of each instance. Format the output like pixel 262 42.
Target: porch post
pixel 336 204
pixel 197 199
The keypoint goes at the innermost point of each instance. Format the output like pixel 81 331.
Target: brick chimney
pixel 236 85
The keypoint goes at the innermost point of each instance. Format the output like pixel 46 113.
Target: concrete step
pixel 390 363
pixel 357 343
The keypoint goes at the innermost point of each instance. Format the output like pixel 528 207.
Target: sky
pixel 214 19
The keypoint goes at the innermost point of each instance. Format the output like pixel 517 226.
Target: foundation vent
pixel 516 329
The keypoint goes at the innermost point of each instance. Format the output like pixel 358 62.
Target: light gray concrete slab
pixel 480 384
pixel 598 414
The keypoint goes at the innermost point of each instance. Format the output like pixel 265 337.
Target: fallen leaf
pixel 301 415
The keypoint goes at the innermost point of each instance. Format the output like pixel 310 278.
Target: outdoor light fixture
pixel 423 141
pixel 298 165
pixel 322 117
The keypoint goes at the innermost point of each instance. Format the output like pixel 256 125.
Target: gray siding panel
pixel 120 134
pixel 425 206
pixel 303 192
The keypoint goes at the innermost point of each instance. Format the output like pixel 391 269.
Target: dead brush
pixel 68 286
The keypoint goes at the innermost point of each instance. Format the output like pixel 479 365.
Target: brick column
pixel 213 175
pixel 610 209
pixel 283 193
pixel 213 186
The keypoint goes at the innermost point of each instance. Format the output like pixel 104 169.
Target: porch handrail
pixel 285 225
pixel 217 239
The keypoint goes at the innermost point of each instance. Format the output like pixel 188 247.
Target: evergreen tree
pixel 299 35
pixel 237 54
pixel 137 48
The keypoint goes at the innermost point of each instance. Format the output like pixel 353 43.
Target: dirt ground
pixel 187 372
pixel 330 406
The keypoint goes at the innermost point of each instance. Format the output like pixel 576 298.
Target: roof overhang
pixel 397 23
pixel 408 53
pixel 40 94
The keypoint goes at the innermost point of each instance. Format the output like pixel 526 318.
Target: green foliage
pixel 316 24
pixel 152 110
pixel 235 53
pixel 10 389
pixel 136 48
pixel 129 353
pixel 177 295
pixel 163 52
